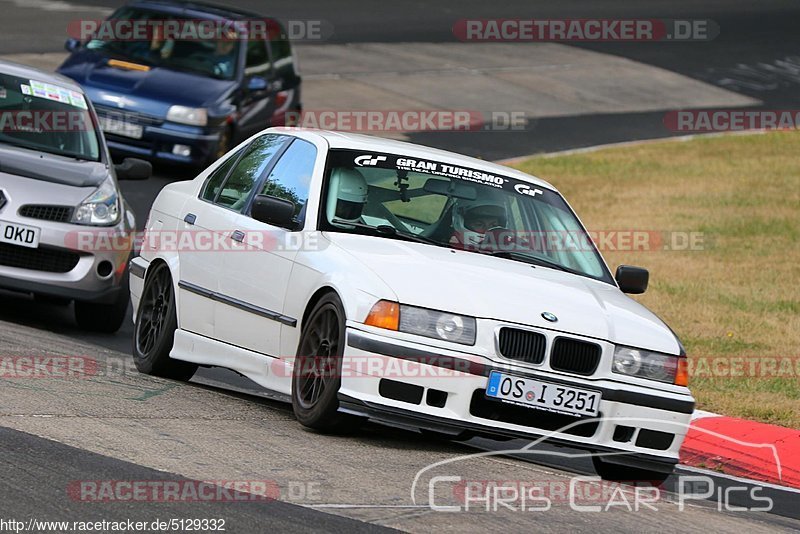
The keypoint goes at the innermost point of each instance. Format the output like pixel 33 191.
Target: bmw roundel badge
pixel 549 317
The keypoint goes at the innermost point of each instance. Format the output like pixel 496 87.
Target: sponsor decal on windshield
pixel 55 93
pixel 436 168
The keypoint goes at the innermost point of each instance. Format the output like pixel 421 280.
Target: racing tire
pixel 316 377
pixel 154 330
pixel 105 318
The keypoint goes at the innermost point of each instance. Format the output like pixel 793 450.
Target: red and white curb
pixel 743 448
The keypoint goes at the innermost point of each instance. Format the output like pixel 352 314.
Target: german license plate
pixel 542 395
pixel 118 126
pixel 19 234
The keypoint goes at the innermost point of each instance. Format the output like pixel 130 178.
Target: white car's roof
pixel 392 146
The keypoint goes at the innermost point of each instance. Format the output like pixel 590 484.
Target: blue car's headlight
pixel 184 115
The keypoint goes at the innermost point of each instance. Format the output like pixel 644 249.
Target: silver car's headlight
pixel 646 364
pixel 101 208
pixel 423 322
pixel 184 115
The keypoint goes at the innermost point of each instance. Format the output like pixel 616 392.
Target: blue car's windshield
pixel 46 117
pixel 216 58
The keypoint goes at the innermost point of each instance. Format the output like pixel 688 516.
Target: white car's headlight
pixel 423 322
pixel 651 365
pixel 101 208
pixel 184 115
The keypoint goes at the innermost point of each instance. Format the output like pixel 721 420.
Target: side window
pixel 280 48
pixel 257 61
pixel 290 178
pixel 251 167
pixel 214 182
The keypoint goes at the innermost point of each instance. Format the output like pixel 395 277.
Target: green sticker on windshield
pixel 56 93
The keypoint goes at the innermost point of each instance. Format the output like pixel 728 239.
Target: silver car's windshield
pixel 452 206
pixel 47 117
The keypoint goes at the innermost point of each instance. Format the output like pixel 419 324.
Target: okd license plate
pixel 19 234
pixel 543 395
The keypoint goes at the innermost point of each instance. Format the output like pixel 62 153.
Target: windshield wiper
pixel 385 230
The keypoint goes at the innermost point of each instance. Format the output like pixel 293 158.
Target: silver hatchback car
pixel 58 192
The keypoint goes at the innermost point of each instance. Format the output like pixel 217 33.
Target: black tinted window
pixel 248 170
pixel 257 61
pixel 214 181
pixel 290 179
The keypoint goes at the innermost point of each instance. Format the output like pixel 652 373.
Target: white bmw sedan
pixel 375 279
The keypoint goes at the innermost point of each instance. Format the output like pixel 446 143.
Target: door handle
pixel 190 218
pixel 237 235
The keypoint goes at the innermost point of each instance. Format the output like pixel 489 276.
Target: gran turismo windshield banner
pixel 381 160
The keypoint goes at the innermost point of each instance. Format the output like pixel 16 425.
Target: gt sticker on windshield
pixel 404 163
pixel 401 163
pixel 56 93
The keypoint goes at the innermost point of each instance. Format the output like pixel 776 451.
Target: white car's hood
pixel 496 288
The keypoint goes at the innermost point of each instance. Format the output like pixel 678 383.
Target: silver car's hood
pixel 51 168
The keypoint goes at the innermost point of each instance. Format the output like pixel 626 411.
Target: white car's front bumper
pixel 402 382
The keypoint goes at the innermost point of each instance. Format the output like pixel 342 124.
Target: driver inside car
pixel 472 219
pixel 347 196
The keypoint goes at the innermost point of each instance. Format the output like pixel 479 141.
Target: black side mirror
pixel 273 210
pixel 72 44
pixel 631 279
pixel 133 169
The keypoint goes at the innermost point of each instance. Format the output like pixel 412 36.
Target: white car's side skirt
pixel 271 373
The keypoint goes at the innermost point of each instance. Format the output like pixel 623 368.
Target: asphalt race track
pixel 119 425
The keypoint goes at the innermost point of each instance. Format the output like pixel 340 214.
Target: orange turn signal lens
pixel 682 374
pixel 384 314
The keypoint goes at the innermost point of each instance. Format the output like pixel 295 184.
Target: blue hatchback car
pixel 184 100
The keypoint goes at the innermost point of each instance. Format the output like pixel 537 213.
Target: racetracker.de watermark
pixel 582 30
pixel 408 120
pixel 764 367
pixel 44 366
pixel 39 121
pixel 731 120
pixel 166 491
pixel 99 240
pixel 199 29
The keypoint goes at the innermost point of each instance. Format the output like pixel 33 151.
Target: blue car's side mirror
pixel 257 83
pixel 72 44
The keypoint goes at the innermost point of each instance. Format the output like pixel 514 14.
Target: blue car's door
pixel 257 103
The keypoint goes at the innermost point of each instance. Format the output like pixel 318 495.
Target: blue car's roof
pixel 193 8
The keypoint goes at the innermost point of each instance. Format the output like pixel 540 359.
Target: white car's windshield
pixel 47 117
pixel 453 206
